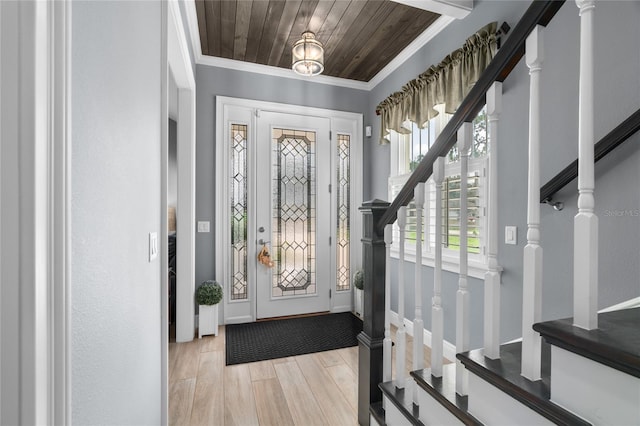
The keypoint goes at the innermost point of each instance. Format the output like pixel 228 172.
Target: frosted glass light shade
pixel 307 55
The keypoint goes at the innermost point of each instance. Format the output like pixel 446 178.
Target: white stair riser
pixel 491 406
pixel 596 392
pixel 432 412
pixel 393 416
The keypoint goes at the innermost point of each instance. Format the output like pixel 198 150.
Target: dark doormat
pixel 258 341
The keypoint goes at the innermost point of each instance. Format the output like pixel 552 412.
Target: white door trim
pixel 178 67
pixel 60 34
pixel 182 71
pixel 348 122
pixel 35 249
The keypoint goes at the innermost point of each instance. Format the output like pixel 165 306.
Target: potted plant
pixel 208 295
pixel 358 292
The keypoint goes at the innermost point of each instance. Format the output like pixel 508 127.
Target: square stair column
pixel 370 340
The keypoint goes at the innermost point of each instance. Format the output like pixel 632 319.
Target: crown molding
pixel 426 36
pixel 280 72
pixel 458 9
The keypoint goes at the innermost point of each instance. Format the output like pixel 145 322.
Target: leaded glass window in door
pixel 343 194
pixel 238 183
pixel 293 212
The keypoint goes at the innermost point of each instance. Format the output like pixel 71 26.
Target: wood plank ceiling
pixel 360 36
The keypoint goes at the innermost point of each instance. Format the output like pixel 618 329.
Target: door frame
pixel 35 249
pixel 340 121
pixel 179 63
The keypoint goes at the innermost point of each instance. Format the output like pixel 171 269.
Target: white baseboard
pixel 628 304
pixel 449 349
pixel 238 320
pixel 342 308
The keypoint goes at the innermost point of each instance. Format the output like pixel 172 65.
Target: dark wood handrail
pixel 607 144
pixel 512 50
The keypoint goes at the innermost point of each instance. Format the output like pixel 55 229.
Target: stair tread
pixel 403 401
pixel 377 411
pixel 443 389
pixel 615 343
pixel 504 373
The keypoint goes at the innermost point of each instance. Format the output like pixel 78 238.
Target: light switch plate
pixel 153 245
pixel 203 226
pixel 367 131
pixel 511 235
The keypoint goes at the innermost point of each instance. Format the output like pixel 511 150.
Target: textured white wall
pixel 116 328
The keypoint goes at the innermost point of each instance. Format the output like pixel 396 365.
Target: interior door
pixel 293 216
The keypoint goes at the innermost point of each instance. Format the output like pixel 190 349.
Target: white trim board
pixel 458 9
pixel 35 373
pixel 61 237
pixel 434 29
pixel 627 304
pixel 449 349
pixel 181 69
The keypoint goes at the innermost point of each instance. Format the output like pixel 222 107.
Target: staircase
pixel 588 377
pixel 575 371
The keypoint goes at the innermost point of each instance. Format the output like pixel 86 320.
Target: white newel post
pixel 437 332
pixel 532 266
pixel 386 343
pixel 401 336
pixel 465 133
pixel 492 276
pixel 418 325
pixel 585 228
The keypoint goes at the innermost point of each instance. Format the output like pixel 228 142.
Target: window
pixel 407 151
pixel 343 214
pixel 238 213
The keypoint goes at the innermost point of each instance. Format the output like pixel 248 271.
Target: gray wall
pixel 116 131
pixel 213 81
pixel 617 62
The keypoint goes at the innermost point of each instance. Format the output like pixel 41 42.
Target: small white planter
pixel 358 301
pixel 208 320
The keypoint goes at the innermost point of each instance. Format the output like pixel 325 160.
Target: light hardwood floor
pixel 314 389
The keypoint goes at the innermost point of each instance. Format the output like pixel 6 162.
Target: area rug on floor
pixel 258 341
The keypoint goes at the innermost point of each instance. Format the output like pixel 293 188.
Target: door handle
pixel 263 242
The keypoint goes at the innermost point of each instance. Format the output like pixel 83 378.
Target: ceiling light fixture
pixel 307 55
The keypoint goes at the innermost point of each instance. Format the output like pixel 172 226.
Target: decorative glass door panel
pixel 238 189
pixel 343 214
pixel 294 212
pixel 289 189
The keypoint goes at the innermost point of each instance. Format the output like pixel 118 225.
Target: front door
pixel 293 216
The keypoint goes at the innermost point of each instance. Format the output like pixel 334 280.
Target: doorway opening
pixel 288 183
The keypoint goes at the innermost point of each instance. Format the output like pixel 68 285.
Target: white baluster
pixel 465 134
pixel 418 325
pixel 427 218
pixel 585 225
pixel 437 332
pixel 532 267
pixel 401 337
pixel 492 276
pixel 386 343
